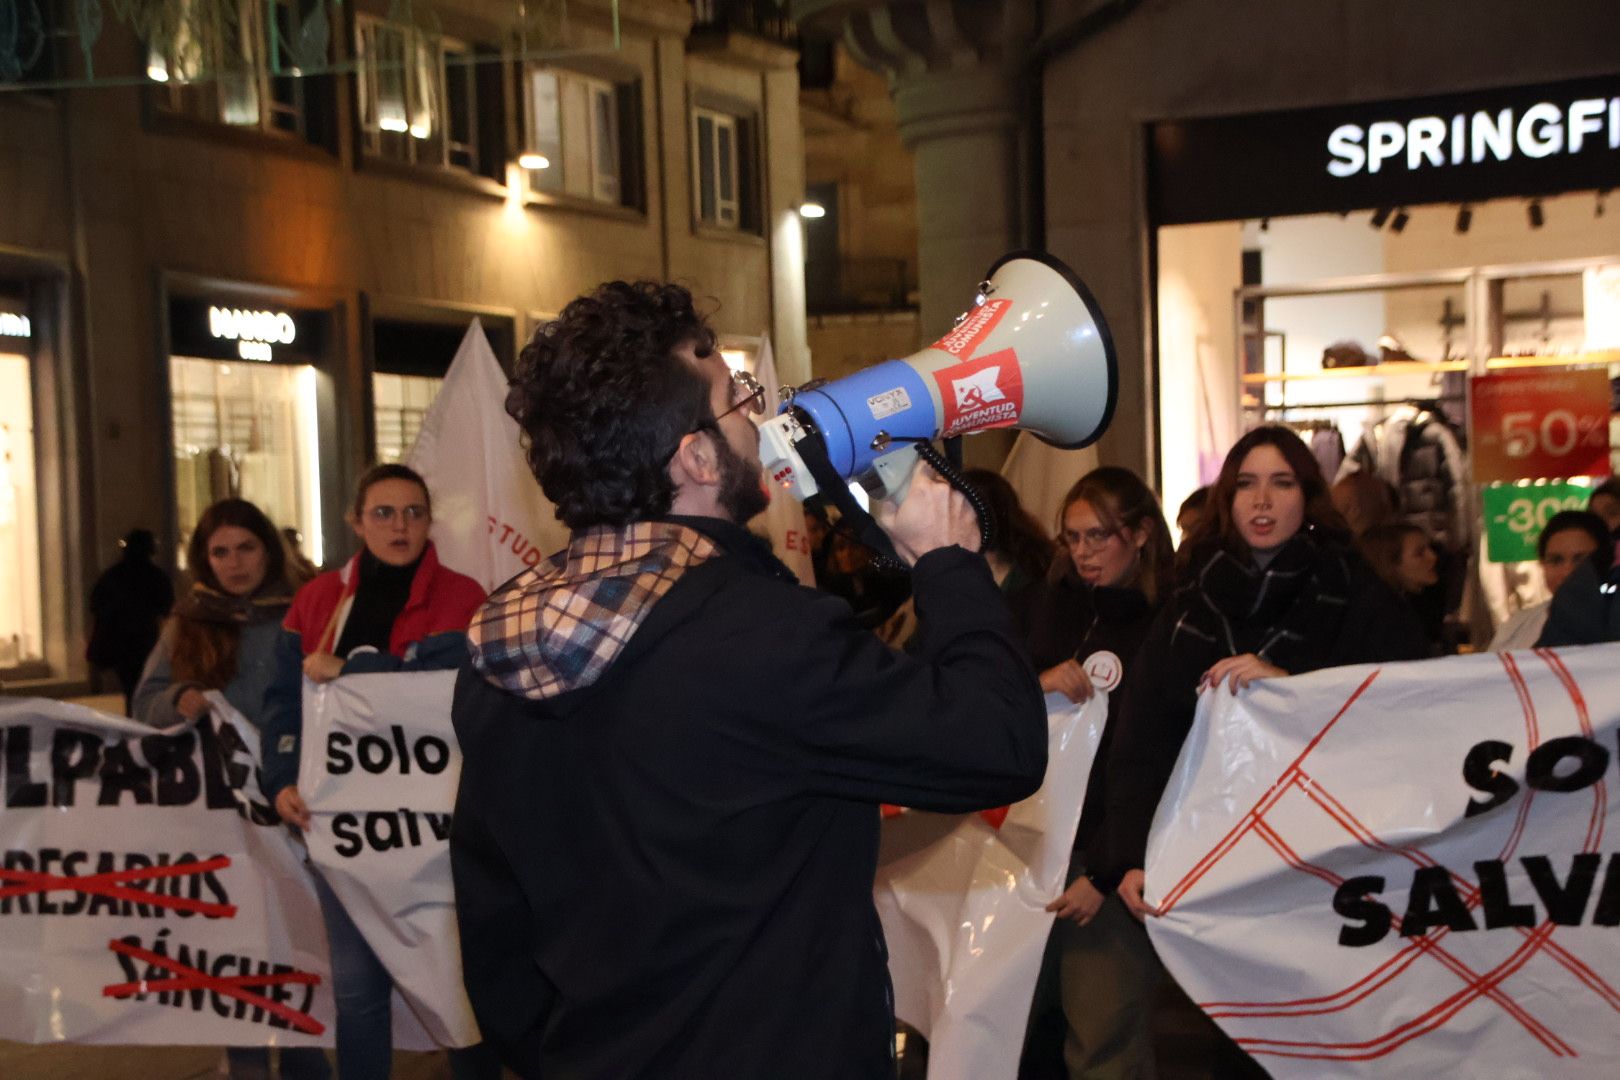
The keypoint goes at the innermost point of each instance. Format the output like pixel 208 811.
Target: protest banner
pixel 1402 870
pixel 148 895
pixel 490 518
pixel 378 769
pixel 963 898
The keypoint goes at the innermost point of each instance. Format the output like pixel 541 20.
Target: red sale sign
pixel 1540 425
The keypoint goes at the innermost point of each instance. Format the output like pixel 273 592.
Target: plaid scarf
pixel 1288 613
pixel 206 605
pixel 558 626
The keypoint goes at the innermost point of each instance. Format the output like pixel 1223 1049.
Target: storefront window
pixel 247 430
pixel 20 622
pixel 401 401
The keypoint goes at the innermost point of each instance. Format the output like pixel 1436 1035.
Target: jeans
pixel 297 1063
pixel 362 990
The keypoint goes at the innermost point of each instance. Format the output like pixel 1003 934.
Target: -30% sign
pixel 1515 514
pixel 1537 425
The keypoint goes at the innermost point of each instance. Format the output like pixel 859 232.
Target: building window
pixel 723 170
pixel 583 129
pixel 422 99
pixel 244 77
pixel 399 405
pixel 21 627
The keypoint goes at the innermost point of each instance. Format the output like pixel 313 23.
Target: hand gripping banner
pixel 962 900
pixel 379 769
pixel 1405 870
pixel 147 894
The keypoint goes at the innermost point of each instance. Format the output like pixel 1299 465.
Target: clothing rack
pixel 1431 404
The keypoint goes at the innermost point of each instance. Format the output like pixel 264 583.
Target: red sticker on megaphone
pixel 973 329
pixel 984 393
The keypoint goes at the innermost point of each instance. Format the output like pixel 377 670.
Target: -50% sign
pixel 1515 514
pixel 1540 425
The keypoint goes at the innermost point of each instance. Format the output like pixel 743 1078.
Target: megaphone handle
pixel 813 451
pixel 938 462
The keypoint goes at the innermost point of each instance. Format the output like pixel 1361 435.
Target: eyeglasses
pixel 747 394
pixel 1090 539
pixel 412 513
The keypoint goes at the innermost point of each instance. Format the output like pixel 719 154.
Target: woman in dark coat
pixel 1082 627
pixel 1274 588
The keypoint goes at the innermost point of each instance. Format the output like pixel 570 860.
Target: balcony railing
pixel 763 18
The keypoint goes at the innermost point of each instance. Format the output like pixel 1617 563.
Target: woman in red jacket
pixel 393 607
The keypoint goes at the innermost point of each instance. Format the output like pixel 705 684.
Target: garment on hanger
pixel 1327 446
pixel 1416 451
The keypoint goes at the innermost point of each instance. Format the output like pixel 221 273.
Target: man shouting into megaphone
pixel 667 827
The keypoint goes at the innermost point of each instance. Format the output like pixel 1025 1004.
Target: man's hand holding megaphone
pixel 1032 353
pixel 933 515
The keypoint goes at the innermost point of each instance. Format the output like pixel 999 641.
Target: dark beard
pixel 742 491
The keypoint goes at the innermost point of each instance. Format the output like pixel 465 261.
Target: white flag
pixel 490 519
pixel 785 517
pixel 963 903
pixel 1042 474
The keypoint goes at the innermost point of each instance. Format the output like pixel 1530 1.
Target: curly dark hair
pixel 603 400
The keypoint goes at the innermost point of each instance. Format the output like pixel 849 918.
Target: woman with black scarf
pixel 222 637
pixel 1274 588
pixel 1082 628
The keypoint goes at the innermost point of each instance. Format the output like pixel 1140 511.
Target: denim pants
pixel 362 990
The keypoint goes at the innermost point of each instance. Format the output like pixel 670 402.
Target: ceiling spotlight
pixel 1380 216
pixel 1537 217
pixel 1265 224
pixel 1465 217
pixel 1401 218
pixel 1602 197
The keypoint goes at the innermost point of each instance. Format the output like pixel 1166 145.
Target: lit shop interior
pixel 1366 332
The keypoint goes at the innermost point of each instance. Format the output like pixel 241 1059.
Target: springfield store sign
pixel 1514 142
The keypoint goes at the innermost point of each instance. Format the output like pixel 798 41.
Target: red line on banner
pixel 1533 730
pixel 1600 792
pixel 114 884
pixel 1265 803
pixel 1418 1026
pixel 189 978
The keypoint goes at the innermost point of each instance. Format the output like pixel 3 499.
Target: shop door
pixel 21 628
pixel 246 430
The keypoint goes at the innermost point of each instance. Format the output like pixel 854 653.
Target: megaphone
pixel 1033 353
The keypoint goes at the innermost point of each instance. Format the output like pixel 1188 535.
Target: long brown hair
pixel 1123 501
pixel 1216 526
pixel 1018 536
pixel 205 651
pixel 1383 545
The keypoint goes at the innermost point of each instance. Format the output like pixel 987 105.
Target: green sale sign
pixel 1515 514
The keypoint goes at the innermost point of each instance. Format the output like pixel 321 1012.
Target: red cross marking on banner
pixel 1475 985
pixel 115 884
pixel 236 986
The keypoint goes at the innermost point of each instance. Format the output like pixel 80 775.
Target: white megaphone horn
pixel 1032 353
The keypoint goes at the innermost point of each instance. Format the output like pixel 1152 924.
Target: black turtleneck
pixel 381 596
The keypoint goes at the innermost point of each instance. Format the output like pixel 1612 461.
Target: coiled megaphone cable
pixel 860 524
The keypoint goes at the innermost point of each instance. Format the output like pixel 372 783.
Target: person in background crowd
pixel 1276 589
pixel 1605 503
pixel 127 606
pixel 1585 609
pixel 1365 500
pixel 1020 553
pixel 872 594
pixel 1192 509
pixel 666 832
pixel 299 569
pixel 223 637
pixel 1569 538
pixel 818 533
pixel 1100 972
pixel 393 607
pixel 1402 555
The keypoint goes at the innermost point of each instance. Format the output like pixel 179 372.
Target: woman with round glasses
pixel 1083 627
pixel 393 607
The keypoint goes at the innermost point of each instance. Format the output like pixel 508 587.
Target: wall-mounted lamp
pixel 533 161
pixel 812 209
